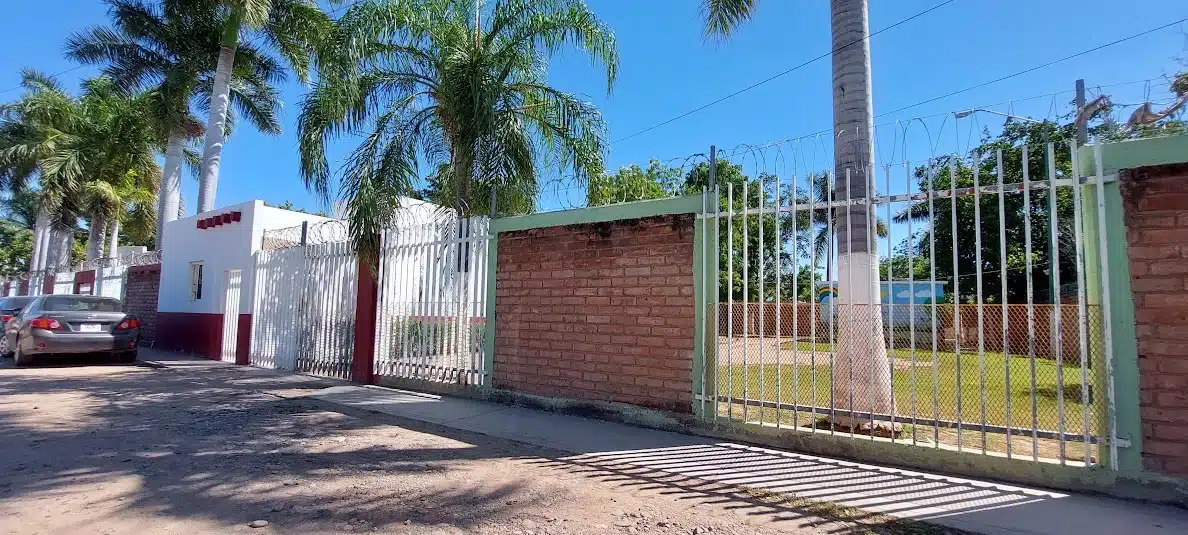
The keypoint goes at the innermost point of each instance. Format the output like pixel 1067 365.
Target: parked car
pixel 11 306
pixel 53 325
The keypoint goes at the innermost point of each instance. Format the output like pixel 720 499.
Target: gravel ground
pixel 203 448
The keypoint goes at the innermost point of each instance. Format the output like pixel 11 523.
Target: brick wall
pixel 140 298
pixel 600 311
pixel 1155 201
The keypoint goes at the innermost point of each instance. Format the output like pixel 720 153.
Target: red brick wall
pixel 140 299
pixel 1156 213
pixel 600 311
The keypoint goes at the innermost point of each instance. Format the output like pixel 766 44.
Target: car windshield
pixel 67 303
pixel 14 303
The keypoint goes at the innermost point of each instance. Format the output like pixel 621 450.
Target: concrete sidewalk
pixel 659 456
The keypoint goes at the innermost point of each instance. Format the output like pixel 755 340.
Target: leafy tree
pixel 458 87
pixel 632 183
pixel 293 28
pixel 170 51
pixel 16 247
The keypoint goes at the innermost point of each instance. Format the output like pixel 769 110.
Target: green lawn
pixel 786 382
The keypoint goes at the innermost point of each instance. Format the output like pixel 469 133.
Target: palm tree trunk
pixel 114 239
pixel 169 195
pixel 40 241
pixel 862 371
pixel 96 236
pixel 220 101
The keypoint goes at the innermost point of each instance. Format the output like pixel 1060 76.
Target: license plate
pixel 90 328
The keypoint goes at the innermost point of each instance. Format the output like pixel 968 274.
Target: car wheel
pixel 20 358
pixel 5 352
pixel 128 356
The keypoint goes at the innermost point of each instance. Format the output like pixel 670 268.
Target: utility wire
pixel 1036 68
pixel 778 75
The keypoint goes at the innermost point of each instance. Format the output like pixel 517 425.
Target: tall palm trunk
pixel 113 242
pixel 861 370
pixel 40 240
pixel 96 237
pixel 220 101
pixel 169 195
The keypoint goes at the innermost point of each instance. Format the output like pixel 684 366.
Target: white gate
pixel 304 308
pixel 432 300
pixel 231 314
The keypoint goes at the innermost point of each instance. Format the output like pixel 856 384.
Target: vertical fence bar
pixel 730 301
pixel 1002 271
pixel 932 276
pixel 956 297
pixel 834 305
pixel 746 295
pixel 849 342
pixel 796 310
pixel 890 326
pixel 779 338
pixel 1057 309
pixel 871 309
pixel 1103 246
pixel 1082 320
pixel 911 269
pixel 814 306
pixel 1030 300
pixel 977 164
pixel 716 264
pixel 762 306
pixel 705 296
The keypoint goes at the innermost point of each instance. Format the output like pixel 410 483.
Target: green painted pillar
pixel 1124 345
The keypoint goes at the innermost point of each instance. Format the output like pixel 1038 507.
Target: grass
pixel 917 383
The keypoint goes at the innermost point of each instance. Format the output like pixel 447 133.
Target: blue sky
pixel 667 69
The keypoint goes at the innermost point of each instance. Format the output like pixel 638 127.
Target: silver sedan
pixel 70 324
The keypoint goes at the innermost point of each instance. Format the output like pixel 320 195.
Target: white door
pixel 231 314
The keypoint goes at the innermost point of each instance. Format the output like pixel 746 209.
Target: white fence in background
pixel 64 283
pixel 303 311
pixel 999 346
pixel 432 300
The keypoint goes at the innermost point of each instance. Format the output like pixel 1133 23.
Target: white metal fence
pixel 987 333
pixel 303 312
pixel 432 300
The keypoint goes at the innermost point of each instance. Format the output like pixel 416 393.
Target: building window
pixel 195 281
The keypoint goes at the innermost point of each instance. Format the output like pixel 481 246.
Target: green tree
pixel 293 28
pixel 169 51
pixel 632 183
pixel 458 87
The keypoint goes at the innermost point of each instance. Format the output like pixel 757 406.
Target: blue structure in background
pixel 908 294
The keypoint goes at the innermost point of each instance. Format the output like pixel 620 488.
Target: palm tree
pixel 453 82
pixel 292 27
pixel 169 51
pixel 36 140
pixel 853 116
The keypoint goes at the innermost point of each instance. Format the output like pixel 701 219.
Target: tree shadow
pixel 214 443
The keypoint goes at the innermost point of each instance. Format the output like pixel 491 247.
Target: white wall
pixel 220 248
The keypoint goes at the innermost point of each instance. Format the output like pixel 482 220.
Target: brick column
pixel 1156 215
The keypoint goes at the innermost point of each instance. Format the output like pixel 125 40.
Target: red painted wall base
pixel 200 334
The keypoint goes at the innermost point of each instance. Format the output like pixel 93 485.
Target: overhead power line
pixel 778 75
pixel 1036 68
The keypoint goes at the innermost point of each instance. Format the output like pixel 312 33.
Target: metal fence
pixel 432 301
pixel 321 232
pixel 987 335
pixel 303 311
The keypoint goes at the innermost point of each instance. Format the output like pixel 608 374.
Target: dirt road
pixel 203 448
